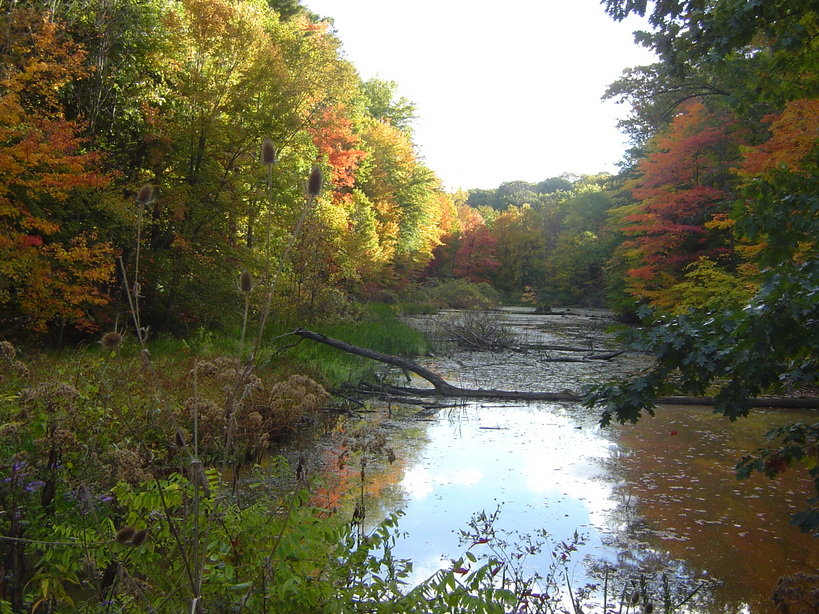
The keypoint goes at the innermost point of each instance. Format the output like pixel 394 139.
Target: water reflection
pixel 513 456
pixel 652 498
pixel 678 470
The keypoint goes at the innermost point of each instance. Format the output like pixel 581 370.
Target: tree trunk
pixel 443 388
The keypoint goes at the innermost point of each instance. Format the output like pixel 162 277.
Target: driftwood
pixel 556 348
pixel 443 388
pixel 480 330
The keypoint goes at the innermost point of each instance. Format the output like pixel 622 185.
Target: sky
pixel 503 90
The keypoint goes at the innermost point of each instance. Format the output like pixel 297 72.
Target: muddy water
pixel 658 497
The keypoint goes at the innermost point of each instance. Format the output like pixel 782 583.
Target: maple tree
pixel 751 330
pixel 476 258
pixel 682 185
pixel 777 208
pixel 50 275
pixel 335 140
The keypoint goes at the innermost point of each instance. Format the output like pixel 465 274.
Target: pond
pixel 602 505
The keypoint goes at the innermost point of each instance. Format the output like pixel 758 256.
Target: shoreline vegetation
pixel 184 184
pixel 116 491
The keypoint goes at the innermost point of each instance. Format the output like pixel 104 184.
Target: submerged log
pixel 443 388
pixel 605 355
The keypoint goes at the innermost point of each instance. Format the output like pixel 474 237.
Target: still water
pixel 638 500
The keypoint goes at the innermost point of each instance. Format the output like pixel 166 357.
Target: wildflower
pixel 146 194
pixel 246 282
pixel 85 498
pixel 125 534
pixel 7 350
pixel 35 485
pixel 139 537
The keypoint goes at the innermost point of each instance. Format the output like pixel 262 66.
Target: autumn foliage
pixel 50 271
pixel 98 100
pixel 682 185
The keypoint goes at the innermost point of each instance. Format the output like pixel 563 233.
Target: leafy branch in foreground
pixel 738 354
pixel 770 344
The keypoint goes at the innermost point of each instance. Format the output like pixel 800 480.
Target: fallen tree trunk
pixel 557 348
pixel 443 388
pixel 440 384
pixel 567 395
pixel 605 355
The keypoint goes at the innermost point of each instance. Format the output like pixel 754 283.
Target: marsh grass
pixel 112 456
pixel 379 329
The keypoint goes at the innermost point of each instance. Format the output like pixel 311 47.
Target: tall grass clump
pixel 379 329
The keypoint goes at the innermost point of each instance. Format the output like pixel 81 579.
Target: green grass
pixel 379 330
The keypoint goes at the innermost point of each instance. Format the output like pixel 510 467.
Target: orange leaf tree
pixel 51 272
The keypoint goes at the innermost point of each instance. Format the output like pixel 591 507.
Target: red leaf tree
pixel 683 183
pixel 475 259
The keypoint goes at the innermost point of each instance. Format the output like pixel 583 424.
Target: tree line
pixel 718 186
pixel 99 99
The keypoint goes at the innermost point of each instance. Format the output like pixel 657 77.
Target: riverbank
pixel 114 476
pixel 653 500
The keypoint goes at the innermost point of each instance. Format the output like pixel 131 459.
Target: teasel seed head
pixel 139 537
pixel 246 282
pixel 146 194
pixel 315 181
pixel 111 340
pixel 125 534
pixel 268 152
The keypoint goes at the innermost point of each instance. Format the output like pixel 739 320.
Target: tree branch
pixel 443 388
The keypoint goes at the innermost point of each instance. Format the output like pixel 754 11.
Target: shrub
pixel 459 294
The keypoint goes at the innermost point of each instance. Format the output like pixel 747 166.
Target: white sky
pixel 503 90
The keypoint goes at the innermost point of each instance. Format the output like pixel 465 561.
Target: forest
pixel 179 174
pixel 101 99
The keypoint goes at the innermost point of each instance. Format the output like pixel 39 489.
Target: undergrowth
pixel 382 331
pixel 131 473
